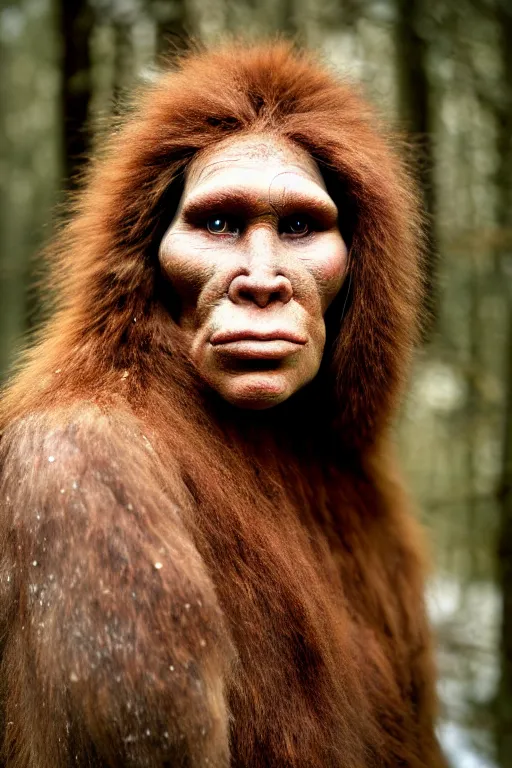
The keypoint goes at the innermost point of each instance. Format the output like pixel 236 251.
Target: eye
pixel 297 225
pixel 222 225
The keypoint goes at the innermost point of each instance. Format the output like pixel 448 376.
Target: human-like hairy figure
pixel 206 556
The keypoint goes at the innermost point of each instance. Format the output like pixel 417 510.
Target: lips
pixel 231 337
pixel 250 345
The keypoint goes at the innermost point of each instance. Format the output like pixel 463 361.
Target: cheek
pixel 329 268
pixel 184 265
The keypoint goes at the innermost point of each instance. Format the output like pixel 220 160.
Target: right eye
pixel 222 225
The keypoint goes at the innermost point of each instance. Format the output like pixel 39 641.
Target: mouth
pixel 263 346
pixel 256 349
pixel 260 338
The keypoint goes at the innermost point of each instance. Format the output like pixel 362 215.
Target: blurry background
pixel 440 70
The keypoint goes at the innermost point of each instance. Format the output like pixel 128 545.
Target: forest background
pixel 441 72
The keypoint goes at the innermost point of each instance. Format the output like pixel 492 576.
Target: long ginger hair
pixel 301 501
pixel 105 266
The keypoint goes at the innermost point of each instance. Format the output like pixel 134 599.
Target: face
pixel 255 256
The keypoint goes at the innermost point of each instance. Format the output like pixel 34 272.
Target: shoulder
pixel 106 449
pixel 88 468
pixel 71 435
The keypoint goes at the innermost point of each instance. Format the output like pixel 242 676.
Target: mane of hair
pixel 112 344
pixel 105 267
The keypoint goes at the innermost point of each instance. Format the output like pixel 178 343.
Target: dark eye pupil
pixel 298 225
pixel 217 224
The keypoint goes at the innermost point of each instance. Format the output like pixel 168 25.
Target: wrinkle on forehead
pixel 253 152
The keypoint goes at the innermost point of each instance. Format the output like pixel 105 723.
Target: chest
pixel 317 674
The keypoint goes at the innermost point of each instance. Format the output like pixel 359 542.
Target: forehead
pixel 253 160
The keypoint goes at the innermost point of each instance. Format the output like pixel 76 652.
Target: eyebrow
pixel 248 204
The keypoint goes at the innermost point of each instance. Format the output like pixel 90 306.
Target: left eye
pixel 296 225
pixel 221 225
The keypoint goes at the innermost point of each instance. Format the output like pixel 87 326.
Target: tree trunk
pixel 504 218
pixel 173 26
pixel 287 17
pixel 416 110
pixel 504 698
pixel 10 299
pixel 123 61
pixel 76 24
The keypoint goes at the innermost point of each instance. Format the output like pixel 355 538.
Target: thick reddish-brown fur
pixel 183 584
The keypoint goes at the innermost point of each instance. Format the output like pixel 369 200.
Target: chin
pixel 256 391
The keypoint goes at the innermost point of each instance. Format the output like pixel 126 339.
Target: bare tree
pixel 123 58
pixel 10 320
pixel 415 95
pixel 76 24
pixel 503 111
pixel 174 25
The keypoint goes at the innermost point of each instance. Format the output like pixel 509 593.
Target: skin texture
pixel 256 258
pixel 183 581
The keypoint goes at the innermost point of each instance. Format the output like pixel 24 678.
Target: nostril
pixel 260 290
pixel 283 290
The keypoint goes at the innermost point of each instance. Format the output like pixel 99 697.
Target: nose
pixel 262 282
pixel 262 288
